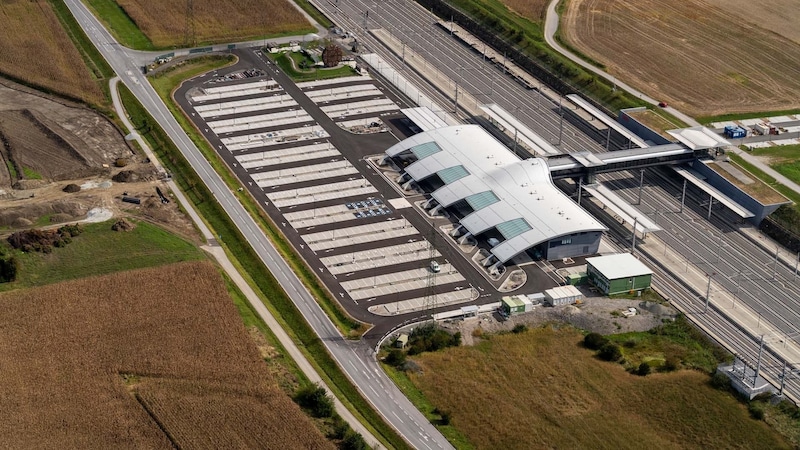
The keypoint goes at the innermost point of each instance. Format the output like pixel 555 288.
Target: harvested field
pixel 779 16
pixel 92 363
pixel 534 10
pixel 37 50
pixel 542 389
pixel 700 58
pixel 164 22
pixel 53 138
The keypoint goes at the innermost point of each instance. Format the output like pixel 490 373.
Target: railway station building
pixel 509 203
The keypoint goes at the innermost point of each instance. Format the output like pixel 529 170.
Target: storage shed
pixel 401 341
pixel 616 274
pixel 512 305
pixel 562 295
pixel 536 299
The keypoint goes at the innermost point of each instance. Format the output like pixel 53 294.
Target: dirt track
pixel 700 58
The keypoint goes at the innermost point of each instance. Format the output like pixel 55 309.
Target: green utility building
pixel 617 274
pixel 512 305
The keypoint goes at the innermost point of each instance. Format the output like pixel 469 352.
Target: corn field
pixel 37 51
pixel 164 22
pixel 151 358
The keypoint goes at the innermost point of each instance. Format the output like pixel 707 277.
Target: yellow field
pixel 542 389
pixel 151 358
pixel 37 51
pixel 164 22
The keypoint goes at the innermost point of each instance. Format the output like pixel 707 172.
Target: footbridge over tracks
pixel 586 165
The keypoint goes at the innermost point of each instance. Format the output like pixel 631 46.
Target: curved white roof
pixel 530 210
pixel 698 138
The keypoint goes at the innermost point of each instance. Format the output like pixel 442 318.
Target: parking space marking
pixel 378 257
pixel 269 138
pixel 288 155
pixel 245 106
pixel 345 237
pixel 418 304
pixel 330 81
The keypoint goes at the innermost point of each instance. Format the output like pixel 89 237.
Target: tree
pixel 519 328
pixel 594 341
pixel 643 370
pixel 396 358
pixel 610 352
pixel 331 55
pixel 8 269
pixel 315 399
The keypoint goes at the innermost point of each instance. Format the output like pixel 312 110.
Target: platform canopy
pixel 611 123
pixel 698 138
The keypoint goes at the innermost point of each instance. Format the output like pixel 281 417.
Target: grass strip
pixel 418 399
pixel 289 376
pixel 90 54
pixel 751 115
pixel 256 273
pixel 763 176
pixel 100 250
pixel 315 14
pixel 120 24
pixel 284 61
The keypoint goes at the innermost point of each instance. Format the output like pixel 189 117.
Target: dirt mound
pixel 126 176
pixel 72 188
pixel 54 140
pixel 123 225
pixel 23 185
pixel 20 222
pixel 60 217
pixel 73 208
pixel 43 240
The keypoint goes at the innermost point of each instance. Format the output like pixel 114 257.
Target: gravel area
pixel 598 314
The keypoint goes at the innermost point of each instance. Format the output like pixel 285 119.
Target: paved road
pixel 357 360
pixel 222 258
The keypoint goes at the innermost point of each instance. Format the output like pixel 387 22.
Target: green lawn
pixel 99 250
pixel 299 75
pixel 164 82
pixel 117 21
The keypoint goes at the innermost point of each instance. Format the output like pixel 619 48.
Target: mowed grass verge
pixel 253 270
pixel 543 389
pixel 100 250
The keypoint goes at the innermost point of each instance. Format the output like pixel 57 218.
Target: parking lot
pixel 356 232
